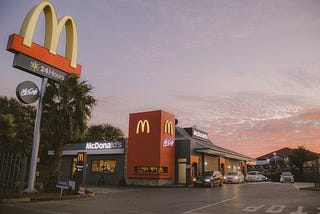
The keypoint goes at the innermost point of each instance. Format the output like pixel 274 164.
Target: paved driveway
pixel 232 198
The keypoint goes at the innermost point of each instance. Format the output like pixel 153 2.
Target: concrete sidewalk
pixel 43 196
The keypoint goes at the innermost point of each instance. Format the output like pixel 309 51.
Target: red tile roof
pixel 284 152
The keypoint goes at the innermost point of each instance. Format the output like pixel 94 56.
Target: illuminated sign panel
pixel 38 68
pixel 200 135
pixel 22 43
pixel 82 157
pixel 168 142
pixel 104 145
pixel 143 124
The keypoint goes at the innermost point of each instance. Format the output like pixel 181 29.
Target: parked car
pixel 210 178
pixel 234 177
pixel 264 178
pixel 255 176
pixel 286 177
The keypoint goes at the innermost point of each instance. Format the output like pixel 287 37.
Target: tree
pixel 298 157
pixel 67 107
pixel 8 130
pixel 104 132
pixel 16 126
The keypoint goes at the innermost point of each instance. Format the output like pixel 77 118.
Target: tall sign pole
pixel 43 61
pixel 36 139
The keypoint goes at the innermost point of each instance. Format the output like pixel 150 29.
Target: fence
pixel 12 172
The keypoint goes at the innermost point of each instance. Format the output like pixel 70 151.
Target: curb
pixel 67 197
pixel 38 199
pixel 15 200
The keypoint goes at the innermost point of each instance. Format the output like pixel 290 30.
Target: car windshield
pixel 252 173
pixel 207 173
pixel 232 173
pixel 286 174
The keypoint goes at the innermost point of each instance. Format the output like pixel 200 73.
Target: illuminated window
pixel 74 168
pixel 103 166
pixel 151 169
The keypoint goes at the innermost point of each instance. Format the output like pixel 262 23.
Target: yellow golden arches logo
pixel 143 124
pixel 82 157
pixel 52 31
pixel 168 127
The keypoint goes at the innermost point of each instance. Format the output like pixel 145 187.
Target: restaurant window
pixel 151 169
pixel 74 168
pixel 103 166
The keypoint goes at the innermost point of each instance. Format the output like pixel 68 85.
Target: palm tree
pixel 67 107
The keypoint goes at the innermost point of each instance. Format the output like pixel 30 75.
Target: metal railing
pixel 12 172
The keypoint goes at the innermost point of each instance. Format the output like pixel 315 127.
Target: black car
pixel 209 178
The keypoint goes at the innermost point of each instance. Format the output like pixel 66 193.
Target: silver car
pixel 234 177
pixel 255 176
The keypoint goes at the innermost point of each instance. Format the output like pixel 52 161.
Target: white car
pixel 234 177
pixel 286 177
pixel 255 176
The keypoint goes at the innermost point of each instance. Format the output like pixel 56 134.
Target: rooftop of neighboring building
pixel 284 152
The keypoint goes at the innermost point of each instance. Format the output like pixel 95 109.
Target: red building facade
pixel 151 148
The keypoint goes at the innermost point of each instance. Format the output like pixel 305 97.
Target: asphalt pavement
pixel 256 198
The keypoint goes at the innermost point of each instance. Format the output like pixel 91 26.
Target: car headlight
pixel 236 177
pixel 224 177
pixel 194 179
pixel 207 180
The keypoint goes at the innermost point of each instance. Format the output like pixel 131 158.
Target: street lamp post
pixel 275 158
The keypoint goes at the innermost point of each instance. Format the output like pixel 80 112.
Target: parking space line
pixel 210 205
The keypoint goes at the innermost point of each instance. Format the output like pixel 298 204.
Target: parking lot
pixel 259 197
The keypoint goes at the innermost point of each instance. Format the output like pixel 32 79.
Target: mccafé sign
pixel 27 92
pixel 44 61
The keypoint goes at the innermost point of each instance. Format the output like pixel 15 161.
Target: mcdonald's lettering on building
pixel 44 61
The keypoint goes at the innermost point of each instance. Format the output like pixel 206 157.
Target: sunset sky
pixel 247 72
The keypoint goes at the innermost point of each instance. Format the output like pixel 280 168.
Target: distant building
pixel 279 156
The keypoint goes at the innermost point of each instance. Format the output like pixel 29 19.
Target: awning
pixel 224 154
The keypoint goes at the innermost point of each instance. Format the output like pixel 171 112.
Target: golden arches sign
pixel 168 127
pixel 52 31
pixel 143 124
pixel 55 66
pixel 82 157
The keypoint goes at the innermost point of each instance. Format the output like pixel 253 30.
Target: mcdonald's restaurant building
pixel 103 159
pixel 157 153
pixel 161 153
